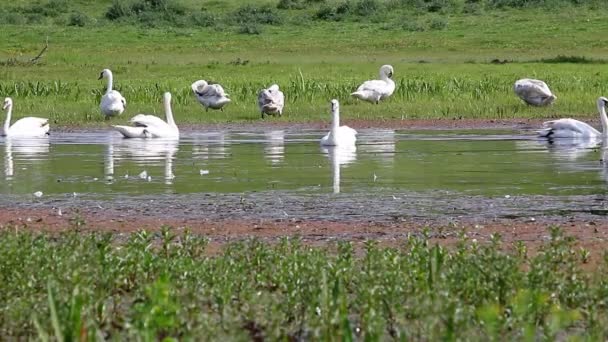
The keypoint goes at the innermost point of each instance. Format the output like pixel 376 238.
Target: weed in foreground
pixel 155 286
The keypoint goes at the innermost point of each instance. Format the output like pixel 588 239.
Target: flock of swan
pixel 271 101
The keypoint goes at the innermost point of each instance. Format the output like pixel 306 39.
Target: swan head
pixel 335 106
pixel 602 102
pixel 198 86
pixel 104 73
pixel 8 102
pixel 387 71
pixel 274 87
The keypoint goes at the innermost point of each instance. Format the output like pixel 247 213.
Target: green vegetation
pixel 156 286
pixel 452 58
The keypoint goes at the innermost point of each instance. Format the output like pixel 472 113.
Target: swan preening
pixel 376 90
pixel 210 95
pixel 30 127
pixel 338 135
pixel 271 101
pixel 112 102
pixel 534 92
pixel 571 128
pixel 150 126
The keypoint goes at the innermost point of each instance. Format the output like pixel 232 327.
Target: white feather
pixel 571 128
pixel 150 126
pixel 112 102
pixel 31 127
pixel 376 90
pixel 271 100
pixel 210 95
pixel 534 92
pixel 338 135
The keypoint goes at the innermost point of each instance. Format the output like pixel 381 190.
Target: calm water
pixel 384 161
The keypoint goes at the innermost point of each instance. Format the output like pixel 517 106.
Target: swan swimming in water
pixel 338 135
pixel 534 92
pixel 210 95
pixel 150 126
pixel 571 128
pixel 30 127
pixel 271 101
pixel 112 102
pixel 376 90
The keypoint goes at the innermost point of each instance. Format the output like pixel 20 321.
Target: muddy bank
pixel 319 219
pixel 513 123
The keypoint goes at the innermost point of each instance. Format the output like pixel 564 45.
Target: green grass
pixel 154 286
pixel 440 73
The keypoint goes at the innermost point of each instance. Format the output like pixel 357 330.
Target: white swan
pixel 571 128
pixel 376 90
pixel 30 127
pixel 338 135
pixel 534 92
pixel 210 95
pixel 271 101
pixel 112 102
pixel 150 126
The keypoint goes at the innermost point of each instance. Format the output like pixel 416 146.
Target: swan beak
pixel 5 106
pixel 390 74
pixel 100 76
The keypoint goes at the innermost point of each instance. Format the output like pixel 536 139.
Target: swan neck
pixel 110 82
pixel 7 121
pixel 169 112
pixel 335 122
pixel 603 119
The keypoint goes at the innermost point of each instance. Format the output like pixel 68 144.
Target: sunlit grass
pixel 439 74
pixel 156 285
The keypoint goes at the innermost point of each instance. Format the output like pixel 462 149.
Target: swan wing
pixel 144 120
pixel 373 85
pixel 532 91
pixel 132 132
pixel 30 126
pixel 567 128
pixel 202 89
pixel 113 103
pixel 269 100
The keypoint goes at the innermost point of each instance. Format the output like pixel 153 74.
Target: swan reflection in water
pixel 144 152
pixel 339 156
pixel 381 144
pixel 566 149
pixel 274 146
pixel 29 149
pixel 210 146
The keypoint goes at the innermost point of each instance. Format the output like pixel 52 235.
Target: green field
pixel 443 61
pixel 160 286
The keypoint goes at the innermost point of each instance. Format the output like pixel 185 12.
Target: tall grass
pixel 426 91
pixel 161 285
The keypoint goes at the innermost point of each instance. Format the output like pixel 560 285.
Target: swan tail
pixel 545 132
pixel 358 95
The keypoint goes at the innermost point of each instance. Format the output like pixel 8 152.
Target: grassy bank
pixel 158 285
pixel 464 67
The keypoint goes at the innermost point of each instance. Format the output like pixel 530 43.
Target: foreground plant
pixel 162 285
